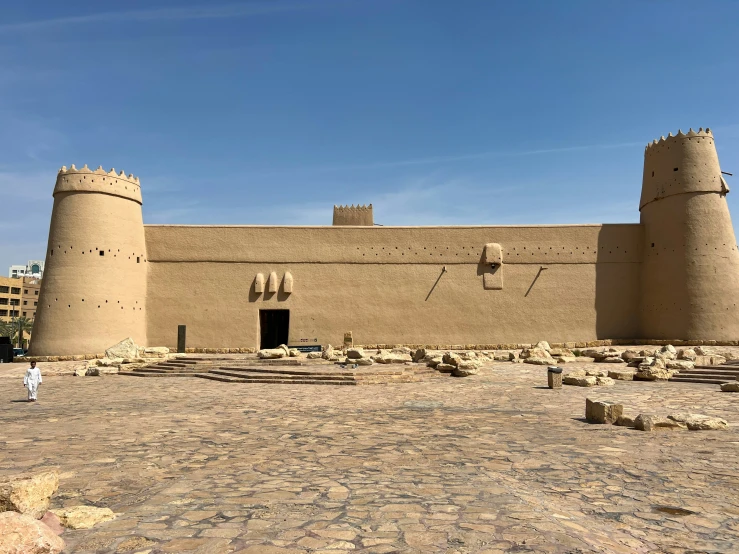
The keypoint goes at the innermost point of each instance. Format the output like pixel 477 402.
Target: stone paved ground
pixel 491 463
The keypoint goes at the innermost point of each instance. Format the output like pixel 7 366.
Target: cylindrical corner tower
pixel 690 268
pixel 93 294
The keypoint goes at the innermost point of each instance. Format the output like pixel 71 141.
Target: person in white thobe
pixel 32 380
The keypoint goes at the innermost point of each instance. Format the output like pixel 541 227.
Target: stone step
pixel 278 376
pixel 696 375
pixel 678 379
pixel 138 373
pixel 308 372
pixel 721 368
pixel 260 379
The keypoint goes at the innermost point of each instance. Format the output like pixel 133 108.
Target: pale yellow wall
pixel 375 282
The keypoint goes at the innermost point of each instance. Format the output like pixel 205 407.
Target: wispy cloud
pixel 491 154
pixel 226 11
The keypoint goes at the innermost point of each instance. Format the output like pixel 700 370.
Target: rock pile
pixel 606 412
pixel 26 524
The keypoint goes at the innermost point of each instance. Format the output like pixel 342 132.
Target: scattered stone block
pixel 680 365
pixel 83 517
pixel 355 353
pixel 644 422
pixel 23 534
pixel 621 374
pixel 294 353
pixel 580 381
pixel 687 354
pixel 604 381
pixel 466 368
pixel 624 421
pixel 602 412
pixel 363 361
pixel 451 358
pixel 315 355
pixel 28 495
pixel 730 387
pixel 699 422
pixel 538 360
pixel 127 348
pixel 445 368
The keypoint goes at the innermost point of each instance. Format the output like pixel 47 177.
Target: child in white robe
pixel 32 380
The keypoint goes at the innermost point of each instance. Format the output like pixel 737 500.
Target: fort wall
pixel 394 284
pixel 673 276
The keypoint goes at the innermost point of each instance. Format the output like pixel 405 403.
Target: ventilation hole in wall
pixel 652 173
pixel 674 169
pixel 69 305
pixel 102 252
pixel 138 260
pixel 83 299
pixel 52 252
pixel 653 246
pixel 98 305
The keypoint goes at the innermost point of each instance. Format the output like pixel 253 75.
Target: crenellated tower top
pixel 354 215
pixel 682 163
pixel 85 179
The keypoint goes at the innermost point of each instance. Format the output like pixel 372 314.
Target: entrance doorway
pixel 274 326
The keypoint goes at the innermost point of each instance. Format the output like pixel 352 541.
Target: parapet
pixel 679 164
pixel 99 180
pixel 354 215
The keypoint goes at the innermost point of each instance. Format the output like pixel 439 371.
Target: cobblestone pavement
pixel 490 463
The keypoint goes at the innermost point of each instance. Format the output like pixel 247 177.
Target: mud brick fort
pixel 673 276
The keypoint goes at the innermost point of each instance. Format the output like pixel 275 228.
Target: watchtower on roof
pixel 354 215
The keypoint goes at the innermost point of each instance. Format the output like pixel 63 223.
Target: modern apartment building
pixel 19 297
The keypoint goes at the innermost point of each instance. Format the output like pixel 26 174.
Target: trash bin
pixel 554 377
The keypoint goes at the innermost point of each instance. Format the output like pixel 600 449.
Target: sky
pixel 437 112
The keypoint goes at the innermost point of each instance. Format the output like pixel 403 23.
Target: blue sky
pixel 436 111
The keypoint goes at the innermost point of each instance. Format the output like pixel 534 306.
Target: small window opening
pixel 674 169
pixel 102 252
pixel 652 245
pixel 138 260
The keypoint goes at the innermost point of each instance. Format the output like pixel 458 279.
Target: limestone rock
pixel 644 422
pixel 445 368
pixel 629 355
pixel 127 348
pixel 80 371
pixel 272 353
pixel 328 352
pixel 544 345
pixel 108 362
pixel 294 353
pixel 315 355
pixel 468 355
pixel 451 358
pixel 611 360
pixel 392 358
pixel 92 372
pixel 602 412
pixel 537 360
pixel 580 381
pixel 153 352
pixel 621 374
pixel 435 362
pixel 556 352
pixel 29 494
pixel 22 534
pixel 604 381
pixel 653 374
pixel 700 351
pixel 730 387
pixel 419 354
pixel 466 368
pixel 596 372
pixel 527 353
pixel 355 353
pixel 687 354
pixel 699 422
pixel 363 361
pixel 680 365
pixel 566 359
pixel 624 421
pixel 83 517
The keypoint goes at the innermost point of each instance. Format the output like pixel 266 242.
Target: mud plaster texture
pixel 490 463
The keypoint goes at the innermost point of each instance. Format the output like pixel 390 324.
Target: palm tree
pixel 7 329
pixel 23 324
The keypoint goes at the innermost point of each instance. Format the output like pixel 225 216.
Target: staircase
pixel 282 371
pixel 709 374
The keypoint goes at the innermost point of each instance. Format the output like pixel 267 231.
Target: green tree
pixel 23 325
pixel 7 329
